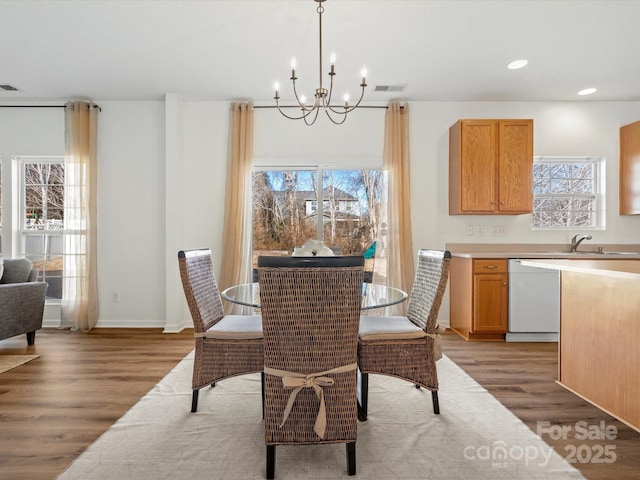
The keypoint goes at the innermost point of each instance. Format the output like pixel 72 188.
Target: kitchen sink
pixel 614 253
pixel 589 253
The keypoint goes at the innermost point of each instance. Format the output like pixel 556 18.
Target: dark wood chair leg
pixel 436 405
pixel 31 338
pixel 194 401
pixel 363 404
pixel 351 458
pixel 271 461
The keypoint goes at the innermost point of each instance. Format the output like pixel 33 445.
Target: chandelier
pixel 322 96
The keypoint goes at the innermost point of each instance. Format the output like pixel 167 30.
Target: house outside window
pixel 567 193
pixel 285 213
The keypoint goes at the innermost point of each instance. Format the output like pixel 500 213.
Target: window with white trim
pixel 0 207
pixel 41 218
pixel 567 193
pixel 286 209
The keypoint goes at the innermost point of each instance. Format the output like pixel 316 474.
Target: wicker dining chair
pixel 407 347
pixel 226 345
pixel 310 315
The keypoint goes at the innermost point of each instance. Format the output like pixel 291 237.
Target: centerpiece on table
pixel 312 248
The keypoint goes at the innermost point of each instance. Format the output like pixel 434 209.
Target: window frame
pixel 598 196
pixel 49 235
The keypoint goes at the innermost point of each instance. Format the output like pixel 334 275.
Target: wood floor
pixel 52 408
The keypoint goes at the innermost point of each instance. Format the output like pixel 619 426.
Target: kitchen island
pixel 599 356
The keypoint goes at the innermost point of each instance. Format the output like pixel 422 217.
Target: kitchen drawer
pixel 490 266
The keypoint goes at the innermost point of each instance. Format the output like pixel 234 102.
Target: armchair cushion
pixel 16 270
pixel 236 327
pixel 388 328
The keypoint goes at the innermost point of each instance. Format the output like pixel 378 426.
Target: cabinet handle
pixel 501 203
pixel 491 267
pixel 504 284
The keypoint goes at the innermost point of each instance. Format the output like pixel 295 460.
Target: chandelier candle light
pixel 322 96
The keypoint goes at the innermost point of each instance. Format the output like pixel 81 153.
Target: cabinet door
pixel 515 162
pixel 490 303
pixel 630 169
pixel 478 166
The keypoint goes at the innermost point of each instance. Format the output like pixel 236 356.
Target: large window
pixel 290 208
pixel 42 218
pixel 0 207
pixel 567 193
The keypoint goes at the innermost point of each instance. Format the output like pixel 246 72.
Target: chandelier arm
pixel 315 117
pixel 348 109
pixel 304 115
pixel 300 104
pixel 344 117
pixel 328 104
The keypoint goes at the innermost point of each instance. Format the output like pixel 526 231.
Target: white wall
pixel 175 151
pixel 590 128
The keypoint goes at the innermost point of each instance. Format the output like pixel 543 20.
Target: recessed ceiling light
pixel 517 64
pixel 587 91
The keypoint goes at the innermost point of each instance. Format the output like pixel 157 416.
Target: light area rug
pixel 7 362
pixel 474 438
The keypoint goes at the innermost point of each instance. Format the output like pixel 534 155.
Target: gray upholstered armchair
pixel 21 299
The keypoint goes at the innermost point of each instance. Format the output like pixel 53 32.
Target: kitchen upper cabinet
pixel 491 167
pixel 630 169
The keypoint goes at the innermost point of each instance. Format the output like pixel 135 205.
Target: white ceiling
pixel 230 50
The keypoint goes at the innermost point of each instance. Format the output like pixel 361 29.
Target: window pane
pixel 44 195
pixel 288 206
pixel 0 207
pixel 283 209
pixel 352 209
pixel 565 193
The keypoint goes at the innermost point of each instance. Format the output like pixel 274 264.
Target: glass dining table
pixel 373 295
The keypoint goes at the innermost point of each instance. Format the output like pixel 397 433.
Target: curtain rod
pixel 43 106
pixel 335 106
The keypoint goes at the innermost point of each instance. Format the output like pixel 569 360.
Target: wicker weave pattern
pixel 412 360
pixel 215 359
pixel 427 291
pixel 310 320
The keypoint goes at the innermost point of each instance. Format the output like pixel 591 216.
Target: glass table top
pixel 373 295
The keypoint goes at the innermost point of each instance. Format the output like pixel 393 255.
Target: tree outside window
pixel 566 192
pixel 43 219
pixel 287 213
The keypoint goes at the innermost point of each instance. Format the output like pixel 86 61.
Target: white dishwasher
pixel 534 304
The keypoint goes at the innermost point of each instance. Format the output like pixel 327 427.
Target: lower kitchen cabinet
pixel 479 296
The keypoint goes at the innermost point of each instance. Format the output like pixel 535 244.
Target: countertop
pixel 609 268
pixel 545 251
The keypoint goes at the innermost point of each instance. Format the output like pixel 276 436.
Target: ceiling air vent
pixel 390 88
pixel 8 88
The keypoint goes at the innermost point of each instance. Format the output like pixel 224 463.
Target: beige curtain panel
pixel 236 262
pixel 80 292
pixel 396 211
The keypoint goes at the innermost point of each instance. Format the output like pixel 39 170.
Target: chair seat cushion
pixel 388 328
pixel 236 327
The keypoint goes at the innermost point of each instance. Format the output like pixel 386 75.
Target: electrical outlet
pixel 115 297
pixel 499 231
pixel 480 230
pixel 469 230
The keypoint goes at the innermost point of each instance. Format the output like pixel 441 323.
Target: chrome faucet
pixel 577 240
